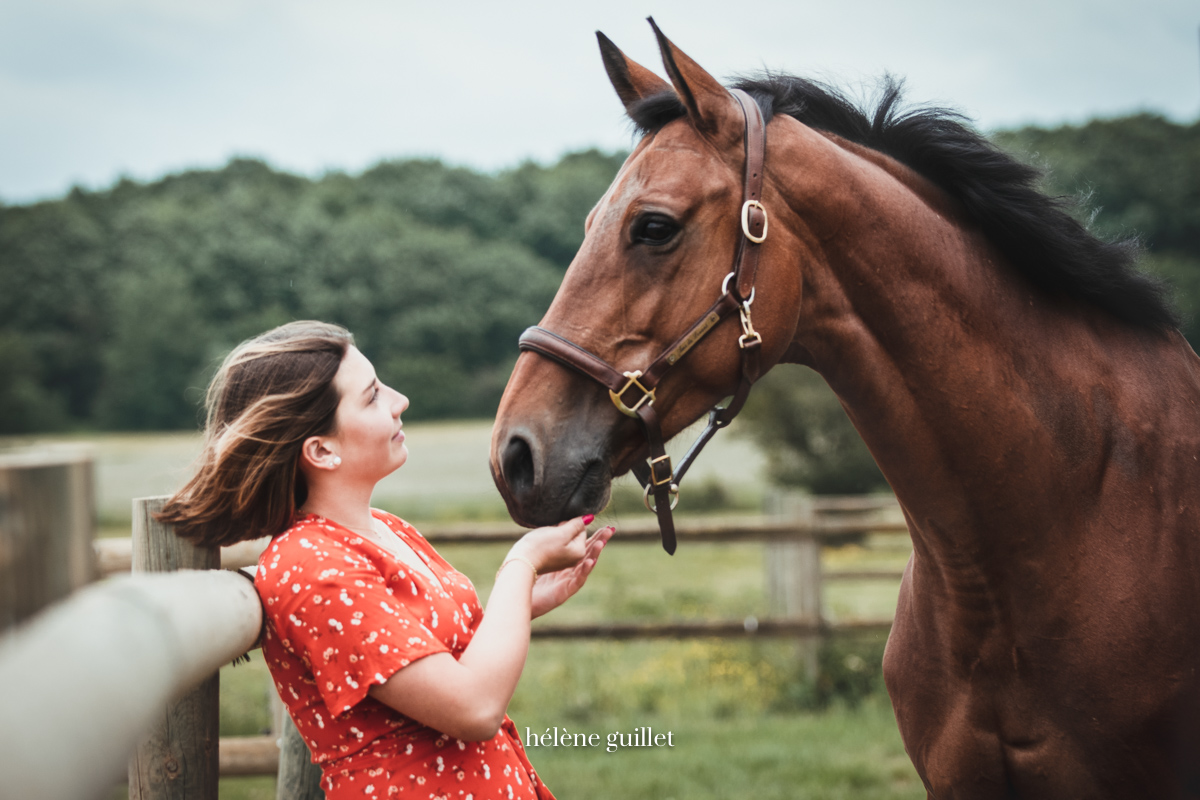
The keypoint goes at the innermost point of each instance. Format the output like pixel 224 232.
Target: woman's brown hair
pixel 270 394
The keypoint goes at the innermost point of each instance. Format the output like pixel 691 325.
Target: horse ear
pixel 708 103
pixel 632 81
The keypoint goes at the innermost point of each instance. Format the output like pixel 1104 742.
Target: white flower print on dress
pixel 324 672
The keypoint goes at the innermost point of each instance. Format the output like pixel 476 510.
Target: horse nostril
pixel 518 466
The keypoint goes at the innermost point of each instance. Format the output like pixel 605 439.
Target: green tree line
pixel 115 305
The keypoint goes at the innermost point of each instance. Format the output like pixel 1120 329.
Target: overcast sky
pixel 91 90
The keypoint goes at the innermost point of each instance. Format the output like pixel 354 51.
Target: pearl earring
pixel 337 461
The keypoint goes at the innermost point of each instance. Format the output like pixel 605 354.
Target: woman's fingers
pixel 554 588
pixel 595 544
pixel 597 540
pixel 600 538
pixel 567 532
pixel 573 541
pixel 592 544
pixel 558 546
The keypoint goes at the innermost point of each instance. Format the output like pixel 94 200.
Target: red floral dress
pixel 343 614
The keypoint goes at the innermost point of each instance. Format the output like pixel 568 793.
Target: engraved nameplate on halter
pixel 696 335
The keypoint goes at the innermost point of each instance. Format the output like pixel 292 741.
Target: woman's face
pixel 369 437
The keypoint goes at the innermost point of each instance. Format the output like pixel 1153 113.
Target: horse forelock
pixel 651 113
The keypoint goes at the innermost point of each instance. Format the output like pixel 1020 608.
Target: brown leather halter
pixel 737 293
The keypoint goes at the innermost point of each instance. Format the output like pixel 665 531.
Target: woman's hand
pixel 555 588
pixel 467 697
pixel 553 548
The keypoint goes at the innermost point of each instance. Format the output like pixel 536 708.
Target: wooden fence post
pixel 47 522
pixel 179 760
pixel 299 778
pixel 794 574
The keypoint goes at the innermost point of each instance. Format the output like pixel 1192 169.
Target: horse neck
pixel 951 368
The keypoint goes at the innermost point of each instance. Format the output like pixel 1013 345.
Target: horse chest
pixel 1076 709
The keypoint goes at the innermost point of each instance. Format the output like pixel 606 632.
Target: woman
pixel 390 669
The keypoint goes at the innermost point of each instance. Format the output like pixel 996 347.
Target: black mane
pixel 1035 232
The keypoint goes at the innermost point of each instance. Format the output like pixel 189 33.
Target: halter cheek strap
pixel 633 392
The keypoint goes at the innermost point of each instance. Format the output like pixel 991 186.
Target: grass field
pixel 446 477
pixel 732 736
pixel 742 712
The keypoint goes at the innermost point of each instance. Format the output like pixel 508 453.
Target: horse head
pixel 656 253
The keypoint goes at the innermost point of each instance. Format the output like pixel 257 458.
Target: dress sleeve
pixel 332 609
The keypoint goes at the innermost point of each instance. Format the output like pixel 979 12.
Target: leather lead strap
pixel 660 486
pixel 656 472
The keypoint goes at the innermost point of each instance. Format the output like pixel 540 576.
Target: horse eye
pixel 654 229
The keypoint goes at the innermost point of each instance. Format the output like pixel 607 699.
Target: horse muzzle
pixel 550 470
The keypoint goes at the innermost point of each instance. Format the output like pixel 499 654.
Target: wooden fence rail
pixel 115 555
pixel 84 681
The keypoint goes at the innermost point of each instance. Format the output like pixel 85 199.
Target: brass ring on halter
pixel 725 290
pixel 674 490
pixel 746 206
pixel 725 283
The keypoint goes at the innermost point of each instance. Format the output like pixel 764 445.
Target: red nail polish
pixel 587 519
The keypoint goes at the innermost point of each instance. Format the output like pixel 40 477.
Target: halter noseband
pixel 633 392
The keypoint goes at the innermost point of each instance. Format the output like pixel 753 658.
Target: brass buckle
pixel 646 498
pixel 653 471
pixel 646 399
pixel 746 206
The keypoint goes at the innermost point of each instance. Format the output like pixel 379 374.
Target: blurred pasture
pixel 446 477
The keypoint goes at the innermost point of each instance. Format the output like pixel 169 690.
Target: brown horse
pixel 1023 388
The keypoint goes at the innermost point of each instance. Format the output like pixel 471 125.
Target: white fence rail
pixel 84 681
